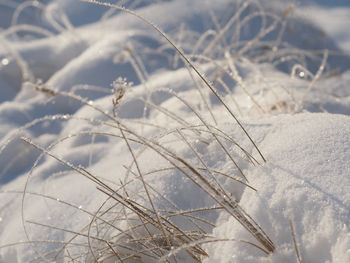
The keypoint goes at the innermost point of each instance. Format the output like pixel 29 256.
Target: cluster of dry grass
pixel 145 225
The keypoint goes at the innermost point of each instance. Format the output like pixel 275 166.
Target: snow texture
pixel 89 90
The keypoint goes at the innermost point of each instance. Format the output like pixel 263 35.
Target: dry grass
pixel 137 222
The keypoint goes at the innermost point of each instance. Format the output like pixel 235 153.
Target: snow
pixel 332 27
pixel 302 181
pixel 100 115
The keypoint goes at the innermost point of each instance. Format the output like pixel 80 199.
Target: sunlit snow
pixel 113 148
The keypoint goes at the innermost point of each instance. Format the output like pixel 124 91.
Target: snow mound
pixel 306 180
pixel 115 147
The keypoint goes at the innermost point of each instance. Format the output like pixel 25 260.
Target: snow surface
pixel 64 62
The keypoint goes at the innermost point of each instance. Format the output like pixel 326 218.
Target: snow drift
pixel 114 148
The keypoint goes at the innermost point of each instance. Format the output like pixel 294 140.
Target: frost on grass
pixel 183 131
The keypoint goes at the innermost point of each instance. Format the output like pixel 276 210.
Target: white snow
pixel 62 120
pixel 302 180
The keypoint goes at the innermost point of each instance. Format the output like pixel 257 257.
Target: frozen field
pixel 180 131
